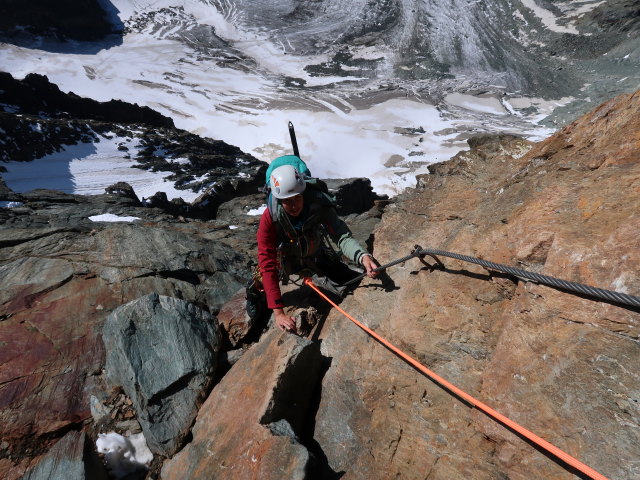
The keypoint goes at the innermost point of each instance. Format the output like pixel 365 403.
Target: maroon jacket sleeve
pixel 268 260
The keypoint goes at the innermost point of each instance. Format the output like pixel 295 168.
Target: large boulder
pixel 563 366
pixel 353 195
pixel 234 320
pixel 163 352
pixel 251 424
pixel 207 204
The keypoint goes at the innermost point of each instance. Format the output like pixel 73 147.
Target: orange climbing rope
pixel 565 457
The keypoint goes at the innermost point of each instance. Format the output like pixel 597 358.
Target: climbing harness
pixel 539 441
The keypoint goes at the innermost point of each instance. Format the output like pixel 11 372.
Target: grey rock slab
pixel 219 287
pixel 163 352
pixel 72 458
pixel 34 274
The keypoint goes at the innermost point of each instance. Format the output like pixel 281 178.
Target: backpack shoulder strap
pixel 272 206
pixel 276 217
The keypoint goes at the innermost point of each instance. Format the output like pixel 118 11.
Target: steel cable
pixel 610 295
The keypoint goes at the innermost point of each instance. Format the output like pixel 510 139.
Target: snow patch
pixel 257 211
pixel 339 144
pixel 124 455
pixel 110 217
pixel 487 104
pixel 10 204
pixel 180 161
pixel 548 18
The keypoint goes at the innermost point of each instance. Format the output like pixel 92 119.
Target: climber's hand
pixel 284 321
pixel 370 264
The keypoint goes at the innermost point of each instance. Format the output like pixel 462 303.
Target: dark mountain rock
pixel 163 352
pixel 123 189
pixel 617 16
pixel 28 137
pixel 353 195
pixel 207 204
pixel 35 95
pixel 63 19
pixel 72 458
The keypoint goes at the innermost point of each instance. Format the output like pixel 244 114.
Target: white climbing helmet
pixel 286 181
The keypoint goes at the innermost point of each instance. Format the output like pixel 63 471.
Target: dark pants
pixel 334 269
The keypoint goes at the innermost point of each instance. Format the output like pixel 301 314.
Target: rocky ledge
pixel 140 327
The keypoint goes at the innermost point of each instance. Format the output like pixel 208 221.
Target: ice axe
pixel 294 142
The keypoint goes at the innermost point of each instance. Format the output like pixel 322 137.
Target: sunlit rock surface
pixel 249 425
pixel 561 365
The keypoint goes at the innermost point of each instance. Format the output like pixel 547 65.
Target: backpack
pixel 293 160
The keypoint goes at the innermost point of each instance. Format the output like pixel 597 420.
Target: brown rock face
pixel 233 319
pixel 57 286
pixel 563 366
pixel 248 427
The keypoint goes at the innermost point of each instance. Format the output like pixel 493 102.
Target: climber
pixel 292 239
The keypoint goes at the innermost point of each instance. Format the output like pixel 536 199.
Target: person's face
pixel 293 205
